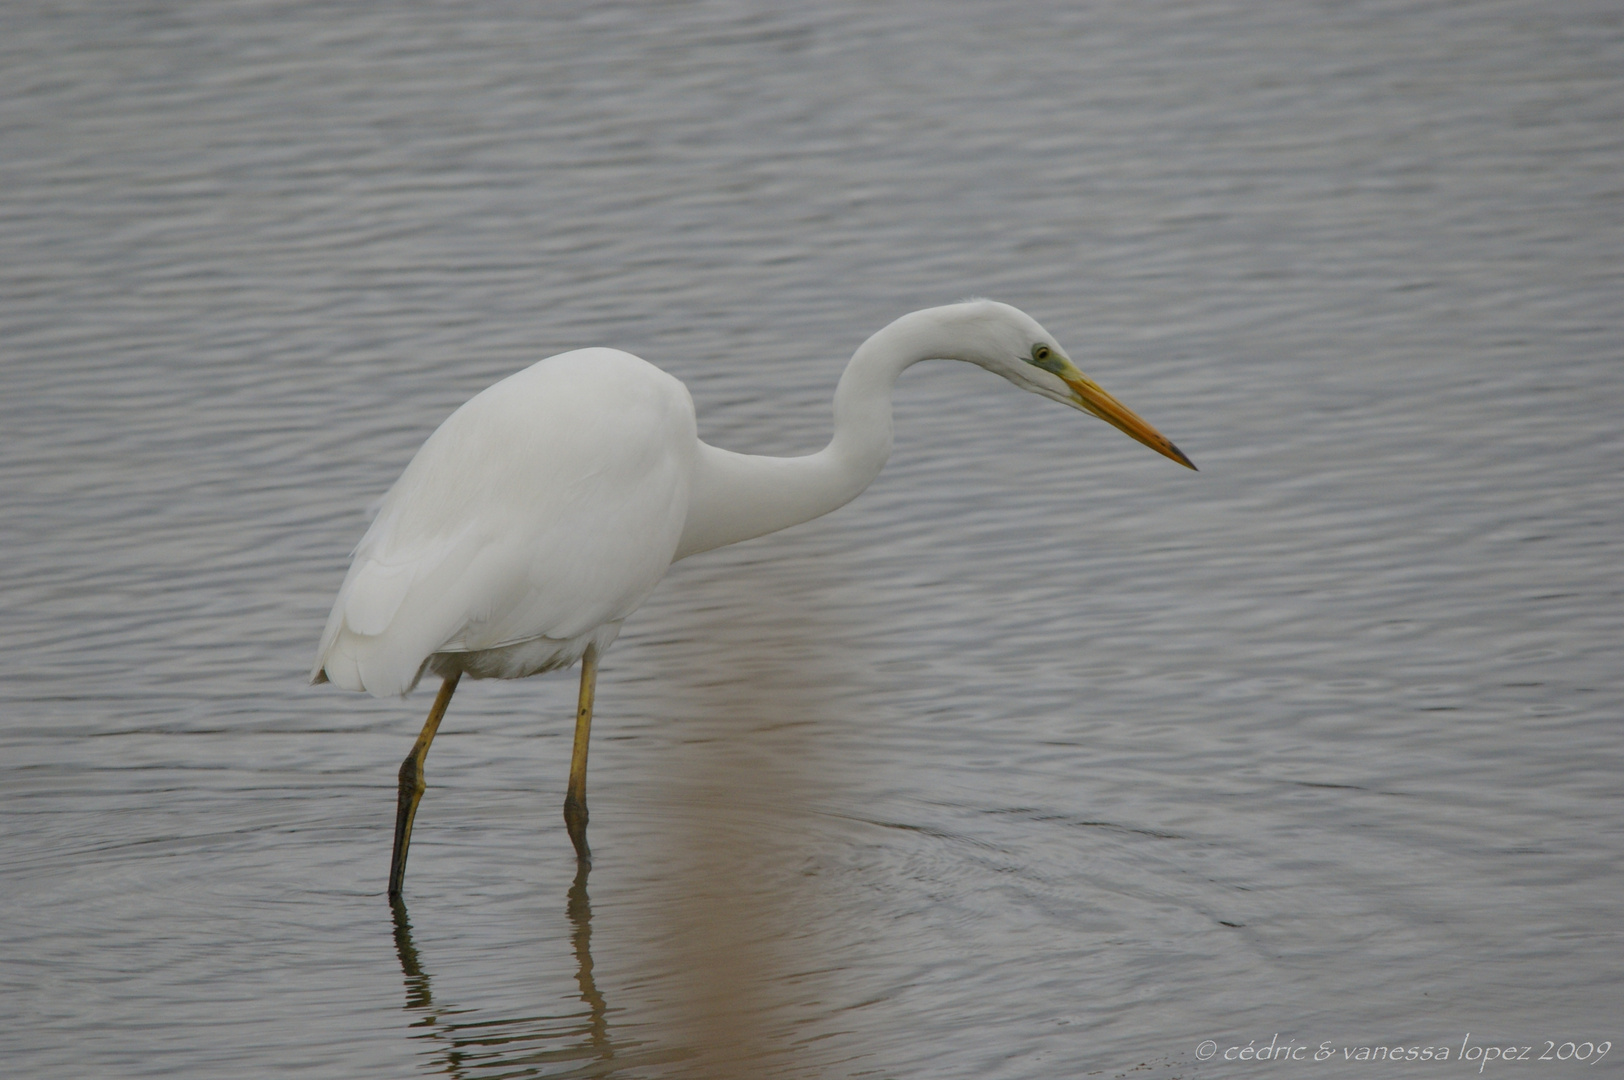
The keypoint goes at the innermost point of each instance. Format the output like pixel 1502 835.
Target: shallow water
pixel 1045 757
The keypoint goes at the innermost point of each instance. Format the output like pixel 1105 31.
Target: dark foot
pixel 412 785
pixel 575 818
pixel 411 791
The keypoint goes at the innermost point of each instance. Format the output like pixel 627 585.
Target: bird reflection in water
pixel 461 1045
pixel 580 912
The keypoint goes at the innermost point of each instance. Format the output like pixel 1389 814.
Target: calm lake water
pixel 1045 758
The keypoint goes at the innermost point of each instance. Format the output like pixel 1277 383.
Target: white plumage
pixel 546 509
pixel 537 517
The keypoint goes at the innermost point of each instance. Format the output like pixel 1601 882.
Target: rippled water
pixel 1044 758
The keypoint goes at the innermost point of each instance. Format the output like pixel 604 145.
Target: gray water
pixel 1045 758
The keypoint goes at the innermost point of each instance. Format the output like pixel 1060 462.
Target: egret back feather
pixel 545 508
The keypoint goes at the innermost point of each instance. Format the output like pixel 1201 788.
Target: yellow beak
pixel 1091 397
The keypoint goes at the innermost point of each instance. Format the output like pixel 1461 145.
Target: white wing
pixel 548 505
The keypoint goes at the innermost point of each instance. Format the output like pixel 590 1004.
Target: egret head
pixel 1007 341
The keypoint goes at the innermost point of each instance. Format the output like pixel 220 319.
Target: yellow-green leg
pixel 575 797
pixel 412 785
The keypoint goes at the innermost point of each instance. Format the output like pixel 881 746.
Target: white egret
pixel 546 509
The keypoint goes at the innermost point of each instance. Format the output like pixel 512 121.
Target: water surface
pixel 1045 757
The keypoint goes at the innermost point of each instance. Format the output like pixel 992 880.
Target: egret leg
pixel 412 785
pixel 575 797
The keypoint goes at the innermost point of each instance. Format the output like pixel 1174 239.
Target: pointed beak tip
pixel 1092 398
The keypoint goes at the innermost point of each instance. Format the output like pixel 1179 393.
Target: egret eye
pixel 1044 357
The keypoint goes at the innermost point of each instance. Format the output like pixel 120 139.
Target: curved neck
pixel 740 496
